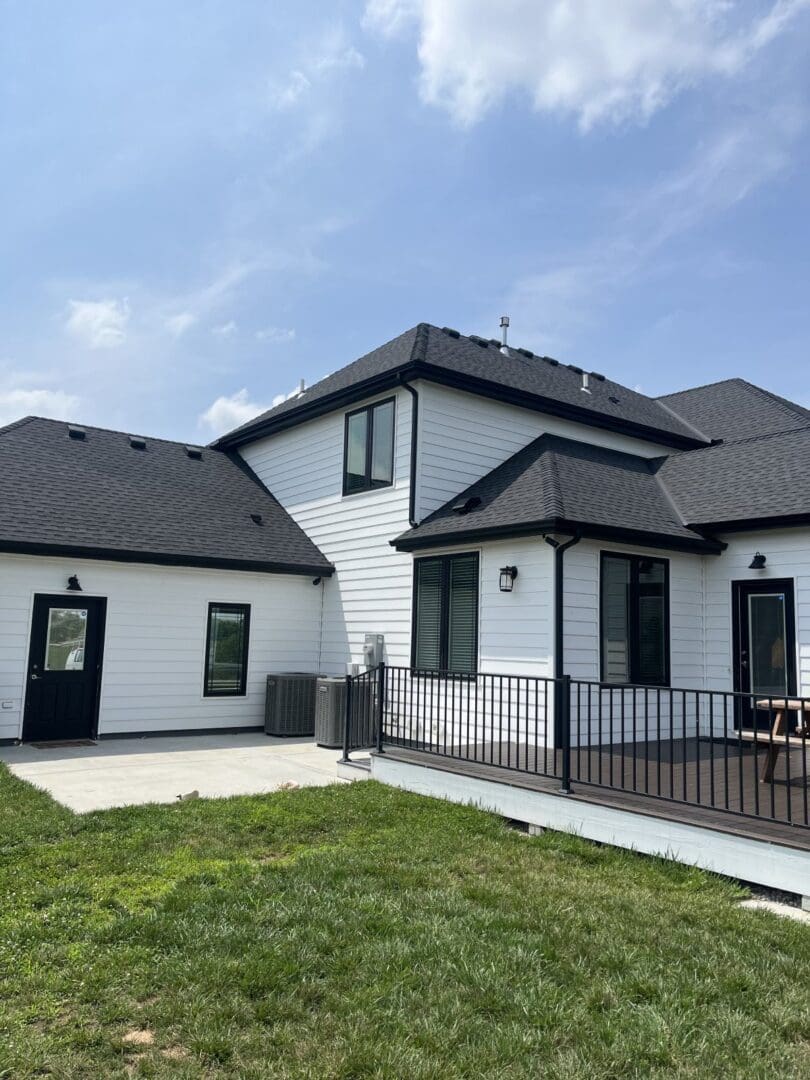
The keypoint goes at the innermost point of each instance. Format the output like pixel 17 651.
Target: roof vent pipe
pixel 504 330
pixel 302 386
pixel 585 381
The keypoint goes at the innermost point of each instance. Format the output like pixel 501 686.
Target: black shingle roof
pixel 739 483
pixel 100 496
pixel 478 365
pixel 736 409
pixel 760 474
pixel 557 483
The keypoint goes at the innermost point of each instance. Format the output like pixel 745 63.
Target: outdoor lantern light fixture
pixel 508 575
pixel 73 584
pixel 758 562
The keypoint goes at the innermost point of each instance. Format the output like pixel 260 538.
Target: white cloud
pixel 332 54
pixel 275 335
pixel 227 329
pixel 339 57
pixel 229 412
pixel 599 61
pixel 98 324
pixel 178 324
pixel 391 17
pixel 552 305
pixel 287 94
pixel 55 404
pixel 279 399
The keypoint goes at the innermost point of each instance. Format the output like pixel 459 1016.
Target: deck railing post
pixel 380 705
pixel 563 685
pixel 347 719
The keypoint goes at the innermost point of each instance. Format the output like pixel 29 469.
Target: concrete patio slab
pixel 126 772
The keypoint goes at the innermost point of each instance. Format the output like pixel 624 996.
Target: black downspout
pixel 412 479
pixel 559 616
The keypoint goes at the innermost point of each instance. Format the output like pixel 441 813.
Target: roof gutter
pixel 259 429
pixel 700 545
pixel 77 551
pixel 753 524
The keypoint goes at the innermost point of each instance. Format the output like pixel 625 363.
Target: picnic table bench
pixel 778 738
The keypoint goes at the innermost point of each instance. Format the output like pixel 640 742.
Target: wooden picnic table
pixel 778 738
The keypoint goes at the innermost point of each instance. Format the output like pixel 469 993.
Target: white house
pixel 491 513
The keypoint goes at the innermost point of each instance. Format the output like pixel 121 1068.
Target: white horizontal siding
pixel 463 436
pixel 371 590
pixel 788 556
pixel 515 633
pixel 516 628
pixel 582 646
pixel 152 677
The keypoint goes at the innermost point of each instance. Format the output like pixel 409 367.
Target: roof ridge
pixel 6 428
pixel 786 403
pixel 420 342
pixel 94 427
pixel 556 487
pixel 432 351
pixel 683 419
pixel 703 386
pixel 662 487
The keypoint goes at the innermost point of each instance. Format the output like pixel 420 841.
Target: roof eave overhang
pixel 312 410
pixel 79 551
pixel 458 381
pixel 752 524
pixel 699 545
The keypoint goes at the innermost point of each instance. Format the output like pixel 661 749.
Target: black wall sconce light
pixel 73 584
pixel 758 562
pixel 507 578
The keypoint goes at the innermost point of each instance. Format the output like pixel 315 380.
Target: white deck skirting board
pixel 735 856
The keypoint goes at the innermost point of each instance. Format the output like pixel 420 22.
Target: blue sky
pixel 205 202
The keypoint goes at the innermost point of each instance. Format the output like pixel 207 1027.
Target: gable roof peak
pixel 480 366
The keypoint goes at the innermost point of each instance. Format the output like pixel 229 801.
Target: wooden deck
pixel 692 781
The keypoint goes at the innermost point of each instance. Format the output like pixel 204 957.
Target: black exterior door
pixel 764 631
pixel 64 668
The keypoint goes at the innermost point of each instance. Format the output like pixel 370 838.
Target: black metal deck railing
pixel 737 753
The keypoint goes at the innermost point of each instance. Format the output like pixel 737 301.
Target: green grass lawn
pixel 357 931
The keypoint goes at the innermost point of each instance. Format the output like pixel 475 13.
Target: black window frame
pixel 368 483
pixel 444 631
pixel 632 627
pixel 215 605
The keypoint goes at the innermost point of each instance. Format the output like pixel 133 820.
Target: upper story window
pixel 445 619
pixel 634 619
pixel 368 454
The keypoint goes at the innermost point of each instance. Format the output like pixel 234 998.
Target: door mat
pixel 59 743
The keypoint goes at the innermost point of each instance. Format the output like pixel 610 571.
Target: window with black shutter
pixel 634 618
pixel 445 621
